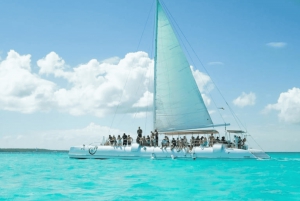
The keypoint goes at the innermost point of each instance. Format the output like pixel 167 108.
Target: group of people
pixel 202 141
pixel 119 141
pixel 178 143
pixel 181 143
pixel 151 140
pixel 239 142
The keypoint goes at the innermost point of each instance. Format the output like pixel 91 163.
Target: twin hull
pixel 136 151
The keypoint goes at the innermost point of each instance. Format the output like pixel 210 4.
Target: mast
pixel 155 60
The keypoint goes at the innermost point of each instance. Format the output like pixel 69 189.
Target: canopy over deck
pixel 191 132
pixel 235 131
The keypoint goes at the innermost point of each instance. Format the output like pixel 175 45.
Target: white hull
pixel 135 151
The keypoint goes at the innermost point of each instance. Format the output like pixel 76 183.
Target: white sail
pixel 178 104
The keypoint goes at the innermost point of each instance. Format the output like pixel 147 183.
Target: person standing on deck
pixel 139 132
pixel 124 139
pixel 211 140
pixel 129 140
pixel 236 141
pixel 156 136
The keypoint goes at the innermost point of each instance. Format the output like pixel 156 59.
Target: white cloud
pixel 112 60
pixel 203 81
pixel 245 99
pixel 288 105
pixel 93 88
pixel 276 44
pixel 51 63
pixel 215 63
pixel 145 101
pixel 204 84
pixel 206 99
pixel 21 90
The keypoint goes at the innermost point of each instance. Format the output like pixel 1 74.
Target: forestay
pixel 178 104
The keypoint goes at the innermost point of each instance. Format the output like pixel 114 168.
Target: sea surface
pixel 54 176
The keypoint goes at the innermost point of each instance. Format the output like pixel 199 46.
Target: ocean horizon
pixel 53 175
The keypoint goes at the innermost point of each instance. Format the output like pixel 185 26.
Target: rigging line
pixel 136 50
pixel 145 25
pixel 204 67
pixel 187 51
pixel 256 142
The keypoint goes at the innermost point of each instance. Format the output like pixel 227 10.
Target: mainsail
pixel 178 104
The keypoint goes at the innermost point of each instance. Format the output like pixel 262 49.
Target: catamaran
pixel 178 110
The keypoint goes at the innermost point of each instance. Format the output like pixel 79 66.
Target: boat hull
pixel 218 151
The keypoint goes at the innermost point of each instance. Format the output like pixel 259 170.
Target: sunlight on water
pixel 53 176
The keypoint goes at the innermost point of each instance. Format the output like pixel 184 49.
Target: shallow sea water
pixel 53 176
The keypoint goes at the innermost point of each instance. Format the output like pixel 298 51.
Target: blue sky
pixel 249 47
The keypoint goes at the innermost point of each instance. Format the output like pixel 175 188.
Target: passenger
pixel 148 140
pixel 211 140
pixel 152 134
pixel 153 141
pixel 138 140
pixel 223 140
pixel 236 141
pixel 185 142
pixel 197 141
pixel 111 142
pixel 129 140
pixel 156 136
pixel 201 141
pixel 144 141
pixel 168 141
pixel 178 143
pixel 163 143
pixel 217 140
pixel 182 143
pixel 239 142
pixel 114 140
pixel 205 142
pixel 174 142
pixel 243 143
pixel 124 139
pixel 107 142
pixel 192 141
pixel 139 132
pixel 119 141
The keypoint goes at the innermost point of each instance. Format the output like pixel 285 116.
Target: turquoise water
pixel 53 176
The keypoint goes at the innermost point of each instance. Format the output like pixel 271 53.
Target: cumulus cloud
pixel 50 64
pixel 20 89
pixel 245 99
pixel 206 99
pixel 95 88
pixel 204 84
pixel 212 63
pixel 288 105
pixel 276 44
pixel 112 60
pixel 203 81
